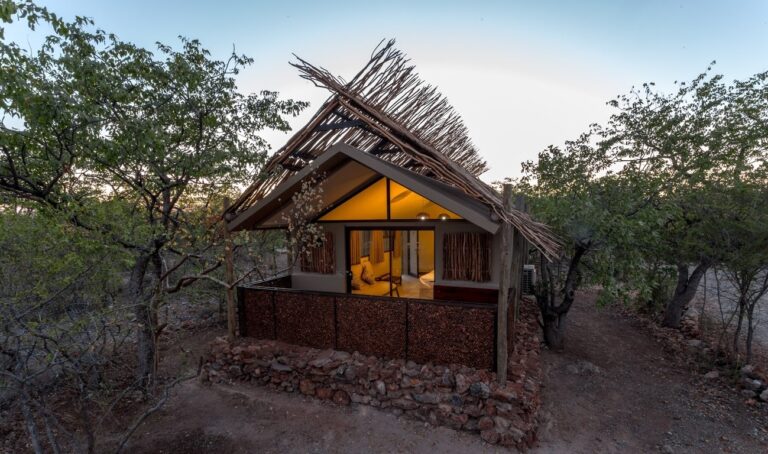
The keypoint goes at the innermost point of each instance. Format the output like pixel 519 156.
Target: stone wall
pixel 456 396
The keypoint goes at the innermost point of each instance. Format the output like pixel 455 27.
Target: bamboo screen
pixel 467 257
pixel 320 259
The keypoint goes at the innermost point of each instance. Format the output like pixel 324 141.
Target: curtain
pixel 354 247
pixel 377 246
pixel 398 252
pixel 320 258
pixel 467 256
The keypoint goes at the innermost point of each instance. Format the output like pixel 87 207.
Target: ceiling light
pixel 443 217
pixel 422 216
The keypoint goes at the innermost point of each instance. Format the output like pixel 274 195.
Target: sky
pixel 523 75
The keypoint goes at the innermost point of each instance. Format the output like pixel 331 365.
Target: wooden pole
pixel 519 250
pixel 504 284
pixel 230 278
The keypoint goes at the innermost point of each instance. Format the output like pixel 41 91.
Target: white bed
pixel 428 279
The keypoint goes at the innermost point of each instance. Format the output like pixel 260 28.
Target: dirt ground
pixel 614 389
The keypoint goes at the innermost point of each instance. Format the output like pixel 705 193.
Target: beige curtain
pixel 377 246
pixel 398 246
pixel 354 247
pixel 467 256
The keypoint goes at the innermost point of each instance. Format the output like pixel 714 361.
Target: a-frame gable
pixel 452 200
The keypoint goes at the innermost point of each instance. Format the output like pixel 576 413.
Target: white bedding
pixel 428 279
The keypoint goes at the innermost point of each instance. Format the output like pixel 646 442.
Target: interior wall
pixel 413 254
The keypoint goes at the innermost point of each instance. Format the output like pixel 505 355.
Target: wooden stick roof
pixel 388 111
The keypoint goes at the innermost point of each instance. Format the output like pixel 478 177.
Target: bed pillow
pixel 357 283
pixel 367 274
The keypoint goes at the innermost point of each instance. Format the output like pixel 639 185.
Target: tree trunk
pixel 554 331
pixel 29 419
pixel 684 293
pixel 737 332
pixel 145 343
pixel 750 332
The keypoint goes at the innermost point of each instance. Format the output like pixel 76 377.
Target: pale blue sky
pixel 522 74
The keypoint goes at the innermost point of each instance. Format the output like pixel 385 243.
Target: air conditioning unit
pixel 528 279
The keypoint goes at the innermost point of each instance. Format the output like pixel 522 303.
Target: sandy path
pixel 615 390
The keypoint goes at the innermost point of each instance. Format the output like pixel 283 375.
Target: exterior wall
pixel 334 283
pixel 429 331
pixel 455 227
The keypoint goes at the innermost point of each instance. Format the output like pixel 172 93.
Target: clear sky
pixel 522 74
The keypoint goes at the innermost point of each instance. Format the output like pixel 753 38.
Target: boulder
pixel 480 390
pixel 341 397
pixel 324 393
pixel 485 423
pixel 307 387
pixel 490 436
pixel 462 384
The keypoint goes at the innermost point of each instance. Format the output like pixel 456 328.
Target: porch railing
pixel 440 332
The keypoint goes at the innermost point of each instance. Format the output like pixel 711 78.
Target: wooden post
pixel 519 249
pixel 230 277
pixel 504 283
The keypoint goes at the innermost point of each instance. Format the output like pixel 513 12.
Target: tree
pixel 638 196
pixel 89 118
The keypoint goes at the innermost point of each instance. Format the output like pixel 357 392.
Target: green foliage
pixel 671 178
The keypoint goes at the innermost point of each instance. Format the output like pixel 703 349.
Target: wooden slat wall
pixel 321 259
pixel 467 256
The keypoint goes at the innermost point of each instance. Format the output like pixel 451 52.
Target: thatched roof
pixel 388 111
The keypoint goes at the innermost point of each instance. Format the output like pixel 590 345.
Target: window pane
pixel 368 204
pixel 406 204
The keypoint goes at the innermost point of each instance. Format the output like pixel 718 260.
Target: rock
pixel 381 388
pixel 279 367
pixel 764 396
pixel 426 398
pixel 490 436
pixel 501 423
pixel 480 389
pixel 306 387
pixel 341 356
pixel 485 423
pixel 405 404
pixel 747 370
pixel 324 393
pixel 341 397
pixel 504 394
pixel 447 379
pixel 511 437
pixel 234 371
pixel 712 375
pixel 666 449
pixel 319 362
pixel 462 384
pixel 750 384
pixel 695 343
pixel 748 393
pixel 456 400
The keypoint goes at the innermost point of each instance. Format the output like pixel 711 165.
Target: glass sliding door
pixel 397 263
